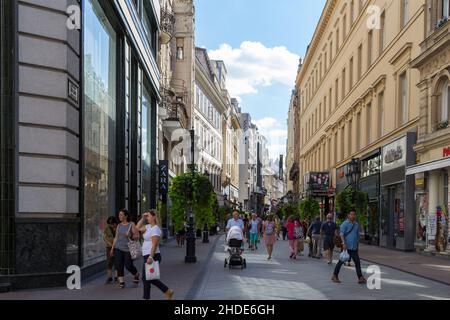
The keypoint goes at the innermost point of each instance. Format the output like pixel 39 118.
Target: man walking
pixel 350 239
pixel 235 222
pixel 315 233
pixel 328 231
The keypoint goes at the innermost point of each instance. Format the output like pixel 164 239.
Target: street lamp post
pixel 205 229
pixel 190 236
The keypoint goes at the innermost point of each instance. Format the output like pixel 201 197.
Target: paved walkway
pixel 175 273
pixel 306 278
pixel 434 268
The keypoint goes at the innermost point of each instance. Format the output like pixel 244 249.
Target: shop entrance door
pixel 387 217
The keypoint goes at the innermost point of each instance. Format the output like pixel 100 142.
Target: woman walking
pixel 269 234
pixel 150 251
pixel 291 238
pixel 126 230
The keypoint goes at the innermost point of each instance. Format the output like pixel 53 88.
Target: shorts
pixel 328 244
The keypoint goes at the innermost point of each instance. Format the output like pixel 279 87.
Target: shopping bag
pixel 152 271
pixel 344 256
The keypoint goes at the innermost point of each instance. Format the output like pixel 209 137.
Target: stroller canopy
pixel 235 233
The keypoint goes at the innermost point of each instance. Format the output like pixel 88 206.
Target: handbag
pixel 134 247
pixel 152 271
pixel 337 241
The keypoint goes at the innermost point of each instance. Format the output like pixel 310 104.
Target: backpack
pixel 298 231
pixel 270 228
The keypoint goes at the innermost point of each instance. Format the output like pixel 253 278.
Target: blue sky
pixel 260 42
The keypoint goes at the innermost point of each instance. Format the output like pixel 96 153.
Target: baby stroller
pixel 235 238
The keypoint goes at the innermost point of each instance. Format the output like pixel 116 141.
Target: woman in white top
pixel 150 250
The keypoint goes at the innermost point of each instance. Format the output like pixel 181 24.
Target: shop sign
pixel 446 152
pixel 317 181
pixel 420 181
pixel 163 177
pixel 370 167
pixel 394 155
pixel 432 226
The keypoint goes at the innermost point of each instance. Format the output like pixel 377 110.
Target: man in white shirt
pixel 235 222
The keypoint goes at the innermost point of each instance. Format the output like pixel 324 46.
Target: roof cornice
pixel 318 35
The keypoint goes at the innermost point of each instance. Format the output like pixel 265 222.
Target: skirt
pixel 269 239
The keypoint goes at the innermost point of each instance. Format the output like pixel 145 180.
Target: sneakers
pixel 109 280
pixel 122 285
pixel 362 280
pixel 169 294
pixel 335 279
pixel 136 278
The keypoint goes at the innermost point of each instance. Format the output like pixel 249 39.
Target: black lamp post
pixel 205 229
pixel 190 236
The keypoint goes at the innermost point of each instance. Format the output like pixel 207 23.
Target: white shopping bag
pixel 344 256
pixel 152 271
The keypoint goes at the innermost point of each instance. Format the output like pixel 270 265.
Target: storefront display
pixel 397 200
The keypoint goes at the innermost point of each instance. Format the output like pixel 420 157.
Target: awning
pixel 430 166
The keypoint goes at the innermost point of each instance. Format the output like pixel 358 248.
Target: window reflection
pixel 100 109
pixel 146 150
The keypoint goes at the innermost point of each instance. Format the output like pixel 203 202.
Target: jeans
pixel 353 256
pixel 123 260
pixel 148 284
pixel 285 231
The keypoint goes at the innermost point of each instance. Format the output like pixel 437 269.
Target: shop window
pixel 100 80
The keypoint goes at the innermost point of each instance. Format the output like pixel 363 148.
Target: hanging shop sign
pixel 317 181
pixel 394 155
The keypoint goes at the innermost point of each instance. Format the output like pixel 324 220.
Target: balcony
pixel 167 26
pixel 173 100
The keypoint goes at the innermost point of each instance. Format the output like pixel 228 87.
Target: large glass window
pixel 146 150
pixel 100 129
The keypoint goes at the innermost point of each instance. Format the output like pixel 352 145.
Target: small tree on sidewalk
pixel 309 209
pixel 351 199
pixel 192 190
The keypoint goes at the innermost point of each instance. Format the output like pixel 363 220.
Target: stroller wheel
pixel 225 263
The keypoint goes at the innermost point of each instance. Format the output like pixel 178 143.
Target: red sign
pixel 446 152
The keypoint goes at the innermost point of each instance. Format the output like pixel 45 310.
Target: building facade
pixel 231 135
pixel 432 170
pixel 82 113
pixel 357 98
pixel 210 105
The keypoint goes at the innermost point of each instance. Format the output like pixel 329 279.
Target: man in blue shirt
pixel 350 238
pixel 235 222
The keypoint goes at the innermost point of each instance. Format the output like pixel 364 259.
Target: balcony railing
pixel 167 26
pixel 173 100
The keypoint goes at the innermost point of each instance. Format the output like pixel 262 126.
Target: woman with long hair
pixel 148 226
pixel 126 230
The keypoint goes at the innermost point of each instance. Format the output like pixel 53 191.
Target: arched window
pixel 445 102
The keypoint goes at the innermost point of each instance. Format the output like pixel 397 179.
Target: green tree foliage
pixel 192 190
pixel 351 199
pixel 309 209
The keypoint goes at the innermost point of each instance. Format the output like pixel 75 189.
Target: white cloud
pixel 254 65
pixel 275 134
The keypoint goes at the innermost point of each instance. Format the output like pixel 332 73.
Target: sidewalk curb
pixel 200 276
